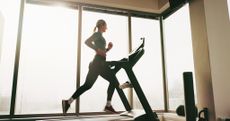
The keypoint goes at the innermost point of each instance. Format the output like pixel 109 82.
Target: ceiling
pixel 151 6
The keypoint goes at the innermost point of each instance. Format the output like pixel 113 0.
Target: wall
pixel 162 3
pixel 218 30
pixel 201 57
pixel 138 5
pixel 210 34
pixel 141 5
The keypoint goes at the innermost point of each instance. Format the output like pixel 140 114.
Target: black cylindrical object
pixel 190 108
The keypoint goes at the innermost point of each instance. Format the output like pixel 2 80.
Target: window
pixel 48 60
pixel 9 17
pixel 228 8
pixel 48 57
pixel 178 54
pixel 94 100
pixel 149 68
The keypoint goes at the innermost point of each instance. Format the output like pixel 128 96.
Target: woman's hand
pixel 110 45
pixel 101 52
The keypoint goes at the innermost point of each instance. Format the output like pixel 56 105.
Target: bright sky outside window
pixel 149 68
pixel 48 60
pixel 228 8
pixel 179 54
pixel 9 16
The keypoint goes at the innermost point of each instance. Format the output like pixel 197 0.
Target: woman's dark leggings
pixel 98 67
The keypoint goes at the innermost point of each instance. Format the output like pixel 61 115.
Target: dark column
pixel 190 108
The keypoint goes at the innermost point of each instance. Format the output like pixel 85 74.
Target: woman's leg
pixel 110 91
pixel 109 75
pixel 90 80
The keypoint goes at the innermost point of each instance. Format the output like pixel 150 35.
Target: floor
pixel 112 117
pixel 125 116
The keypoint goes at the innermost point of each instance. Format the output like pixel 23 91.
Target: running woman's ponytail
pixel 99 24
pixel 94 30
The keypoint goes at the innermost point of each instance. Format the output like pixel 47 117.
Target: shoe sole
pixel 124 87
pixel 108 111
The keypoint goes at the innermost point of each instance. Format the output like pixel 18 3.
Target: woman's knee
pixel 87 86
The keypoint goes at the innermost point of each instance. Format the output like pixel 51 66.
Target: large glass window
pixel 48 60
pixel 149 68
pixel 94 100
pixel 178 54
pixel 9 16
pixel 228 1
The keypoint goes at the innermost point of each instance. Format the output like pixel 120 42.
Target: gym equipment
pixel 190 108
pixel 180 110
pixel 127 64
pixel 189 97
pixel 202 115
pixel 205 115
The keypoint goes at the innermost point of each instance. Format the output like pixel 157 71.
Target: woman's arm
pixel 89 43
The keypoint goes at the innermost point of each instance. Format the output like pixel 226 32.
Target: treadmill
pixel 127 64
